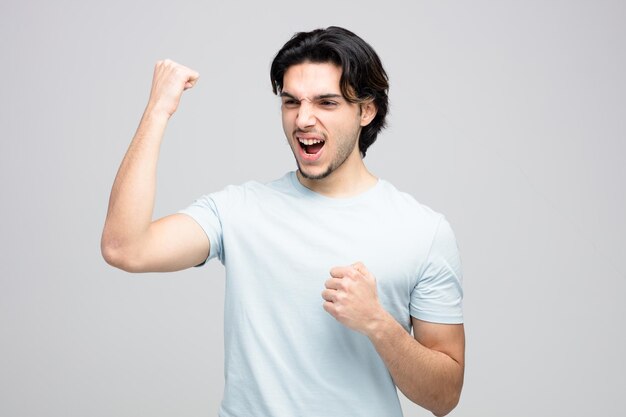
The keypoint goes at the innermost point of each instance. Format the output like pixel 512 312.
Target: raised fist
pixel 169 81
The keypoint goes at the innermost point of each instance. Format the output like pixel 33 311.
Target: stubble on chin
pixel 321 176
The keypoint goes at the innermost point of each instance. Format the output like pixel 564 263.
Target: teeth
pixel 309 141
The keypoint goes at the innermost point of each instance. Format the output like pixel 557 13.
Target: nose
pixel 306 115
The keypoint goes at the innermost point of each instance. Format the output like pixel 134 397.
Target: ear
pixel 368 112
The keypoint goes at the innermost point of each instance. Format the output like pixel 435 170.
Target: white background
pixel 507 116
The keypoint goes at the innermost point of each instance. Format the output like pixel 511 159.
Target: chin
pixel 313 175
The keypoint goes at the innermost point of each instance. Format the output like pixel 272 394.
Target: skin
pixel 131 240
pixel 427 367
pixel 312 104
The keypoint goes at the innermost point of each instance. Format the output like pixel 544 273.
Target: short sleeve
pixel 437 297
pixel 205 212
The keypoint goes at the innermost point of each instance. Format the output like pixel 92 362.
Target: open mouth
pixel 311 146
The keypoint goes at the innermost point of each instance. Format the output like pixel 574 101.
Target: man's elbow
pixel 119 256
pixel 447 403
pixel 446 409
pixel 440 401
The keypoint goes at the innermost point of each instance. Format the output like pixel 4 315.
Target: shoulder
pixel 427 224
pixel 407 206
pixel 248 192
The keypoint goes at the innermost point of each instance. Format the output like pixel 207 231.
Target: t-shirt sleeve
pixel 206 213
pixel 437 297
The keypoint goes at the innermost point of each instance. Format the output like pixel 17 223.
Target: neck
pixel 350 179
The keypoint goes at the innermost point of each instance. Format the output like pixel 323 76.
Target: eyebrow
pixel 318 97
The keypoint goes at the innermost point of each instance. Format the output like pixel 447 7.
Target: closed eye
pixel 290 103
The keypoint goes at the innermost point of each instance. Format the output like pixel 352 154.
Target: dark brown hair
pixel 363 77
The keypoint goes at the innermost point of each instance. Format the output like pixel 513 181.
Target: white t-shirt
pixel 285 356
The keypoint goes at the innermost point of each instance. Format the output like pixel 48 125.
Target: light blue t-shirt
pixel 285 356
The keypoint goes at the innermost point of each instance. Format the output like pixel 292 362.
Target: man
pixel 383 263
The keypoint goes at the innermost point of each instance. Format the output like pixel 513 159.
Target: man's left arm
pixel 427 368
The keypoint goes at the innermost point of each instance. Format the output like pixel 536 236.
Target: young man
pixel 382 262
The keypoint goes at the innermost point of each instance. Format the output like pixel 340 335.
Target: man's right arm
pixel 131 240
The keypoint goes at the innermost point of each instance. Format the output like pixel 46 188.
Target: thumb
pixel 192 80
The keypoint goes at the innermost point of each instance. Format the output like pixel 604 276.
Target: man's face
pixel 321 126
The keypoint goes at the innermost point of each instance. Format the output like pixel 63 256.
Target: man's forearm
pixel 427 377
pixel 132 197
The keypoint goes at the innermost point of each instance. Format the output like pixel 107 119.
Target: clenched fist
pixel 169 81
pixel 351 297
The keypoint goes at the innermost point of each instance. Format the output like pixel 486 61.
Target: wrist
pixel 156 114
pixel 379 327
